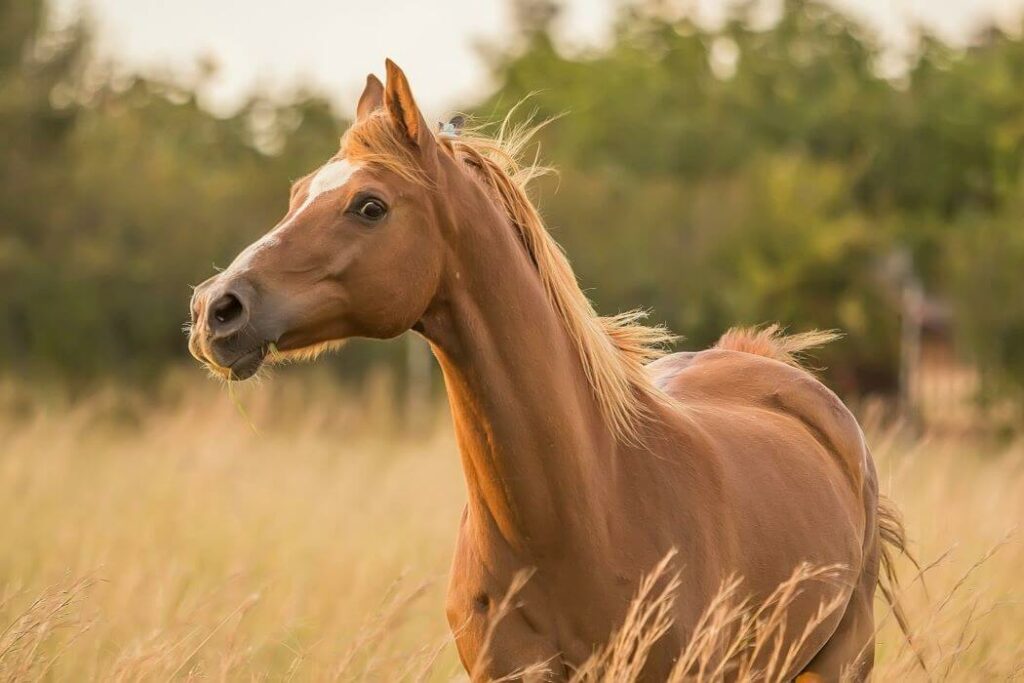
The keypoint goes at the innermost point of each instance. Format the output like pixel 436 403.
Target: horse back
pixel 727 381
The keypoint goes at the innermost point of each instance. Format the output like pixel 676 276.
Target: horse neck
pixel 535 449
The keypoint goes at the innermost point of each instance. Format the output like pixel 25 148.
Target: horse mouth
pixel 242 367
pixel 246 365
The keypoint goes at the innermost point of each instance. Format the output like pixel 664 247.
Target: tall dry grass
pixel 164 538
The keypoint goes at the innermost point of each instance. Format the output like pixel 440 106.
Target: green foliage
pixel 737 175
pixel 117 195
pixel 987 273
pixel 749 174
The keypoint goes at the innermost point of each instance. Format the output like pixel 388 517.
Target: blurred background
pixel 856 165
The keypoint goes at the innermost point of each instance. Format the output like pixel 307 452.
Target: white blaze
pixel 330 177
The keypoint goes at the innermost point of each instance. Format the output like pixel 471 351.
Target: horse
pixel 589 452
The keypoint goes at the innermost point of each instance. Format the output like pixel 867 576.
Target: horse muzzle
pixel 223 333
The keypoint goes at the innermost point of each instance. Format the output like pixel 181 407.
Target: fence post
pixel 912 305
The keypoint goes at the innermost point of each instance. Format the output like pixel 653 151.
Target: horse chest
pixel 506 614
pixel 499 609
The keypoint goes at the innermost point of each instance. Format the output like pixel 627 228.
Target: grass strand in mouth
pixel 238 403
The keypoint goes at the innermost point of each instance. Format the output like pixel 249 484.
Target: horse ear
pixel 372 98
pixel 402 107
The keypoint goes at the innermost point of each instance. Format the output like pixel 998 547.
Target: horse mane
pixel 613 349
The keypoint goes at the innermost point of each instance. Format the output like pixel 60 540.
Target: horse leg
pixel 511 651
pixel 848 655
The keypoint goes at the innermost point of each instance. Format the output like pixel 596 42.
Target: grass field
pixel 155 539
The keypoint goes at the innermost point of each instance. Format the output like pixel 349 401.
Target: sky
pixel 330 45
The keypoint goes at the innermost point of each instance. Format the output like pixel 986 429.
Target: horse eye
pixel 371 209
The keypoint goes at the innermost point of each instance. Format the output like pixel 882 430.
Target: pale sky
pixel 331 45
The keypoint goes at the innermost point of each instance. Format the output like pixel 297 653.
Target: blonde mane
pixel 613 349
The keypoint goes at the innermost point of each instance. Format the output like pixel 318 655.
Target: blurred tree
pixel 753 173
pixel 740 174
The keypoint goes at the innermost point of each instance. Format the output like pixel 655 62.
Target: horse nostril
pixel 227 308
pixel 226 314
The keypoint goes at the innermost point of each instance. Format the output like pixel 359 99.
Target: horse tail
pixel 771 341
pixel 892 542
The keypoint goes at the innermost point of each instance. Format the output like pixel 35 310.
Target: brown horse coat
pixel 584 464
pixel 760 468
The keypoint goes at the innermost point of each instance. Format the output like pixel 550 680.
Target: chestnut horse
pixel 586 459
